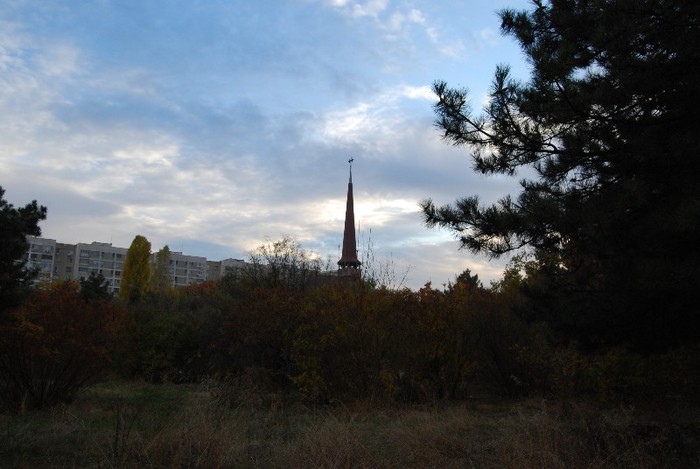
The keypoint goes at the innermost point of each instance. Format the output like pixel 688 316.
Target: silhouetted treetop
pixel 15 225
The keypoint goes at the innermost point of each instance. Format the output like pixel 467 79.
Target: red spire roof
pixel 349 257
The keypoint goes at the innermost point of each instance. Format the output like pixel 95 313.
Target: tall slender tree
pixel 136 274
pixel 606 124
pixel 161 273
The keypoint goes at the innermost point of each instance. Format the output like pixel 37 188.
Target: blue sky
pixel 212 125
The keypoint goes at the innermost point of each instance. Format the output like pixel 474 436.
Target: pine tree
pixel 606 123
pixel 95 288
pixel 15 225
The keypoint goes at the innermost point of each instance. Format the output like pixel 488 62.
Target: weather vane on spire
pixel 350 163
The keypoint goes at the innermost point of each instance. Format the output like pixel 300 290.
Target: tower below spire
pixel 349 260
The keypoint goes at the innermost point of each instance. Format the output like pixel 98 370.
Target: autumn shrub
pixel 153 344
pixel 674 374
pixel 363 342
pixel 334 342
pixel 55 343
pixel 615 375
pixel 354 342
pixel 483 343
pixel 441 362
pixel 314 344
pixel 256 333
pixel 401 345
pixel 622 375
pixel 174 333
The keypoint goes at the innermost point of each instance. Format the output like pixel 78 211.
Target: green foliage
pixel 351 342
pixel 332 341
pixel 161 279
pixel 95 288
pixel 15 225
pixel 136 275
pixel 174 334
pixel 256 333
pixel 605 126
pixel 56 344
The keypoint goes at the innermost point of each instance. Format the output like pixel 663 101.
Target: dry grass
pixel 136 425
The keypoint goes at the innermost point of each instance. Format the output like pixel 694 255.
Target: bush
pixel 55 342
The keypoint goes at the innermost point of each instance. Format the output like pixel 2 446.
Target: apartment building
pixel 64 262
pixel 186 270
pixel 41 256
pixel 218 269
pixel 61 261
pixel 99 258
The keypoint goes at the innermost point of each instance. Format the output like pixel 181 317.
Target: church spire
pixel 349 258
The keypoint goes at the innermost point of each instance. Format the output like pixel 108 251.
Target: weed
pixel 137 425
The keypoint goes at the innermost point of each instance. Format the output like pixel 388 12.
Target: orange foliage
pixel 56 343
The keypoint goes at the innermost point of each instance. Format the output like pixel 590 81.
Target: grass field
pixel 141 425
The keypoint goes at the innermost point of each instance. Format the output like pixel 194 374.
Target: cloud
pixel 398 20
pixel 373 125
pixel 210 128
pixel 450 48
pixel 371 8
pixel 368 8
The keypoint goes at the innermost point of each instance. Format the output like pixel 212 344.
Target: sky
pixel 215 125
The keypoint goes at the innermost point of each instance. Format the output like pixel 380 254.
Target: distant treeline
pixel 322 342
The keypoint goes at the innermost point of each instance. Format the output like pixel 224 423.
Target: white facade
pixel 186 270
pixel 218 269
pixel 64 262
pixel 40 256
pixel 100 258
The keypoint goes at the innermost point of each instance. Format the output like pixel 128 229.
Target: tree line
pixel 315 338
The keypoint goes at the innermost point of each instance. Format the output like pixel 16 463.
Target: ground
pixel 125 424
